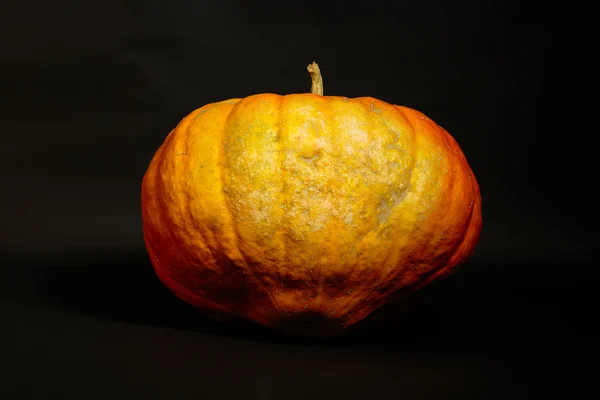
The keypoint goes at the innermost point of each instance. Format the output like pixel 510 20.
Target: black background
pixel 90 90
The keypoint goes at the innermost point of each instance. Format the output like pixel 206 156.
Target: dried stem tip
pixel 317 79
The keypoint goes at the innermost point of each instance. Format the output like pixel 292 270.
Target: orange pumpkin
pixel 273 208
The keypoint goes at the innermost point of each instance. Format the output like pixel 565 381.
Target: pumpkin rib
pixel 473 229
pixel 411 171
pixel 220 264
pixel 473 198
pixel 360 309
pixel 450 266
pixel 406 268
pixel 285 251
pixel 453 164
pixel 221 256
pixel 230 217
pixel 424 270
pixel 163 205
pixel 353 266
pixel 185 233
pixel 222 171
pixel 321 299
pixel 281 228
pixel 455 168
pixel 394 272
pixel 231 259
pixel 337 135
pixel 190 214
pixel 449 262
pixel 451 178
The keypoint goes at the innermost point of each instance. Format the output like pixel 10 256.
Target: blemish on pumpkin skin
pixel 202 112
pixel 384 211
pixel 349 218
pixel 398 197
pixel 374 109
pixel 386 208
pixel 310 160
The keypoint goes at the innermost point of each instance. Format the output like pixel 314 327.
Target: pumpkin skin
pixel 301 207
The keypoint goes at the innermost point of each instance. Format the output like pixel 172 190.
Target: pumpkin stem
pixel 317 79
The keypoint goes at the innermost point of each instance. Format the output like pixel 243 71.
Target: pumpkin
pixel 305 213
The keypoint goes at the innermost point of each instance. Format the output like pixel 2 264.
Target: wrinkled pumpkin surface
pixel 273 207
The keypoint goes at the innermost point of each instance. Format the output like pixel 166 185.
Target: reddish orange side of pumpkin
pixel 272 207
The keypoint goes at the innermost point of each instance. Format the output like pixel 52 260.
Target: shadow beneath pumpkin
pixel 520 301
pixel 124 287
